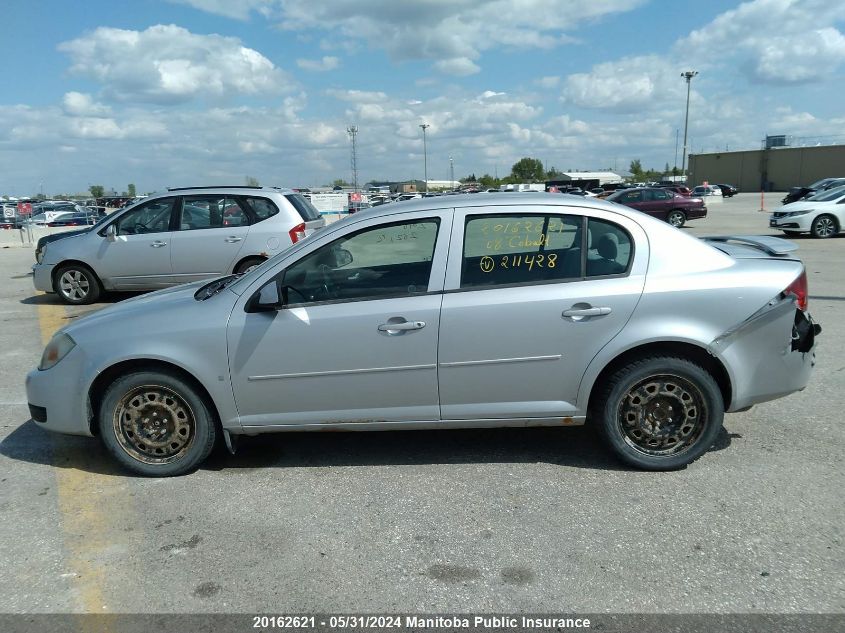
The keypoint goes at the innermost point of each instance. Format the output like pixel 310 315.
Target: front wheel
pixel 676 218
pixel 156 424
pixel 824 226
pixel 661 413
pixel 76 284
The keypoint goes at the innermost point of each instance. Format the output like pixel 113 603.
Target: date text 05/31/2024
pixel 418 622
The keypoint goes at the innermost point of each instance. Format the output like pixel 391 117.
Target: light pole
pixel 352 130
pixel 675 168
pixel 451 174
pixel 424 127
pixel 688 75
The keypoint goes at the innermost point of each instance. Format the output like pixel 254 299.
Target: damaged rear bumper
pixel 768 356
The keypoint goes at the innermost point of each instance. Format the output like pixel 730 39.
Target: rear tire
pixel 248 264
pixel 156 424
pixel 824 226
pixel 76 284
pixel 660 412
pixel 676 218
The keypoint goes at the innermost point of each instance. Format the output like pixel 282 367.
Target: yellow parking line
pixel 91 501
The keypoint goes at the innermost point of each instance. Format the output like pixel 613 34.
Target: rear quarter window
pixel 262 208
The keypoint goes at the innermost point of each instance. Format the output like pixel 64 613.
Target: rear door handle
pixel 586 312
pixel 402 326
pixel 232 239
pixel 158 244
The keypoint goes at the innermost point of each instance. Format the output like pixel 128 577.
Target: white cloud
pixel 319 65
pixel 458 66
pixel 169 64
pixel 237 9
pixel 552 81
pixel 81 104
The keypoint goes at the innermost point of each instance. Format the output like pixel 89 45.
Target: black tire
pixel 660 412
pixel 156 424
pixel 676 218
pixel 76 284
pixel 249 263
pixel 824 226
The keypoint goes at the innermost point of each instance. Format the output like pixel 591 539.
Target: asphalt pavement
pixel 514 520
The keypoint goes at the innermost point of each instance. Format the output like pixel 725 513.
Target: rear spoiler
pixel 774 246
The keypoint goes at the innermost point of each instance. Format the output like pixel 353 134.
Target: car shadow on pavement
pixel 48 298
pixel 31 444
pixel 576 447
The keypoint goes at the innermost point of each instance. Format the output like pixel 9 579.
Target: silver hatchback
pixel 450 312
pixel 174 237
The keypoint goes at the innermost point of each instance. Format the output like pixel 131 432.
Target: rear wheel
pixel 77 284
pixel 661 413
pixel 156 424
pixel 248 264
pixel 676 218
pixel 824 226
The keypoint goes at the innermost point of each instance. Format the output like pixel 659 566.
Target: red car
pixel 684 191
pixel 663 204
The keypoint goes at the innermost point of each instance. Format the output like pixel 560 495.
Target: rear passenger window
pixel 609 251
pixel 261 207
pixel 208 212
pixel 519 249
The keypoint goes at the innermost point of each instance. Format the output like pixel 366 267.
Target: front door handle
pixel 401 326
pixel 158 244
pixel 579 313
pixel 232 239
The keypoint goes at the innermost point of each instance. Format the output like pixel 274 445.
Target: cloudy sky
pixel 186 92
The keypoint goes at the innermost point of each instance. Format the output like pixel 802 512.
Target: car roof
pixel 469 200
pixel 234 189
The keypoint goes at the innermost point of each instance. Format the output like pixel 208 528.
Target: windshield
pixel 829 195
pixel 819 183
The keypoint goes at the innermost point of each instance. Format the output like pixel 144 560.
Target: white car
pixel 706 190
pixel 42 219
pixel 821 215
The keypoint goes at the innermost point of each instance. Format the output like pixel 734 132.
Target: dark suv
pixel 660 203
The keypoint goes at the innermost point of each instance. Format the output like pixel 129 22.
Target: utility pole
pixel 688 75
pixel 424 127
pixel 451 174
pixel 352 130
pixel 675 169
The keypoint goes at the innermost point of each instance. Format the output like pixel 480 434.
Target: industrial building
pixel 776 168
pixel 585 179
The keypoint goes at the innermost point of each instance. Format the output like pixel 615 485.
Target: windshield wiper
pixel 212 288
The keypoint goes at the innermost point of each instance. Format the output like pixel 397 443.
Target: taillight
pixel 297 233
pixel 799 289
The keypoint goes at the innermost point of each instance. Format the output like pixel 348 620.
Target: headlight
pixel 58 347
pixel 39 254
pixel 793 214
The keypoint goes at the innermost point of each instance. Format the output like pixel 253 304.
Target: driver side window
pixel 389 260
pixel 152 217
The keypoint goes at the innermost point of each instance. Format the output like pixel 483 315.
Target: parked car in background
pixel 728 191
pixel 799 193
pixel 402 317
pixel 679 189
pixel 821 215
pixel 173 237
pixel 77 218
pixel 662 204
pixel 706 190
pixel 42 219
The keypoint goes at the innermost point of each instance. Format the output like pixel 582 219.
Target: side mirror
pixel 267 299
pixel 111 233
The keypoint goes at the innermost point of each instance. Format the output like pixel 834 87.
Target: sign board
pixel 330 202
pixel 24 208
pixel 8 212
pixel 355 197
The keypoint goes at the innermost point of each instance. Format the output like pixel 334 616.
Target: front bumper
pixel 42 277
pixel 795 223
pixel 57 396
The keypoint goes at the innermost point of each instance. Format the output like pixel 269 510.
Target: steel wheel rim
pixel 675 219
pixel 662 415
pixel 824 227
pixel 154 424
pixel 74 285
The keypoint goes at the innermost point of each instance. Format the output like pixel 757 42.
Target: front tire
pixel 824 226
pixel 676 218
pixel 76 284
pixel 156 424
pixel 661 412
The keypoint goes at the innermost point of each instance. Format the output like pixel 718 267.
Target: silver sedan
pixel 446 313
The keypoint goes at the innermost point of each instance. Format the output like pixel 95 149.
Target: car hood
pixel 154 305
pixel 58 236
pixel 798 206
